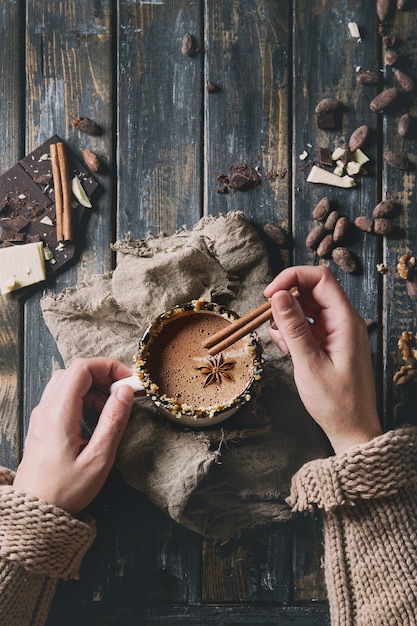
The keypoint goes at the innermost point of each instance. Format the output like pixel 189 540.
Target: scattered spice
pixel 217 369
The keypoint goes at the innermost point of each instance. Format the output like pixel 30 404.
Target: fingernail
pixel 286 301
pixel 124 394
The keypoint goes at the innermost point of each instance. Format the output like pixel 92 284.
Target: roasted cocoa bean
pixel 314 237
pixel 91 160
pixel 322 209
pixel 384 99
pixel 391 57
pixel 344 259
pixel 325 246
pixel 326 105
pixel 358 137
pixel 385 208
pixel 396 159
pixel 404 125
pixel 331 220
pixel 404 80
pixel 412 285
pixel 341 230
pixel 383 227
pixel 188 46
pixel 86 125
pixel 382 9
pixel 368 78
pixel 276 234
pixel 364 223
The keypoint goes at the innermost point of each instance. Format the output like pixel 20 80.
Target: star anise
pixel 217 369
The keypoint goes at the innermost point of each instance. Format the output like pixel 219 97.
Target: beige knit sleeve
pixel 368 471
pixel 368 500
pixel 39 543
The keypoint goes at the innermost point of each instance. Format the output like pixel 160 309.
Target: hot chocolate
pixel 180 372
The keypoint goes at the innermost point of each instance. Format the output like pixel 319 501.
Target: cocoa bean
pixel 341 230
pixel 344 259
pixel 404 125
pixel 405 80
pixel 358 137
pixel 276 234
pixel 91 160
pixel 412 285
pixel 188 46
pixel 391 57
pixel 383 99
pixel 385 208
pixel 314 237
pixel 402 5
pixel 396 159
pixel 326 105
pixel 86 125
pixel 326 245
pixel 383 227
pixel 382 9
pixel 368 78
pixel 364 223
pixel 330 222
pixel 322 209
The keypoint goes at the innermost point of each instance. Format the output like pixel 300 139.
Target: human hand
pixel 58 464
pixel 332 359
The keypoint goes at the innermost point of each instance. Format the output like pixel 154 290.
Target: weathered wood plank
pixel 12 134
pixel 255 567
pixel 69 73
pixel 400 312
pixel 159 117
pixel 246 120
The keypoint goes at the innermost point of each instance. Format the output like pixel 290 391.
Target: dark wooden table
pixel 165 138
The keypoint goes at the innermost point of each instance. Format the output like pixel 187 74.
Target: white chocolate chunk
pixel 353 167
pixel 320 175
pixel 354 30
pixel 21 266
pixel 337 154
pixel 359 157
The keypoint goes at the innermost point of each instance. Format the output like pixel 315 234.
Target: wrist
pixel 341 442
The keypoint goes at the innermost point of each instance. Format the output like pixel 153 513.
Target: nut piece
pixel 276 234
pixel 383 227
pixel 364 223
pixel 322 209
pixel 358 137
pixel 405 80
pixel 326 246
pixel 344 259
pixel 314 237
pixel 326 105
pixel 384 209
pixel 91 160
pixel 396 159
pixel 384 99
pixel 368 78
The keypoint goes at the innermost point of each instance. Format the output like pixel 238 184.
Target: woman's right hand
pixel 331 356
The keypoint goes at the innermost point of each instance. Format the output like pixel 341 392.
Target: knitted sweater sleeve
pixel 39 543
pixel 368 499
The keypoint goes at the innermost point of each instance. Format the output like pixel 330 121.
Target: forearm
pixel 368 499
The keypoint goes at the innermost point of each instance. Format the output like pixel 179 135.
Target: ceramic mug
pixel 188 385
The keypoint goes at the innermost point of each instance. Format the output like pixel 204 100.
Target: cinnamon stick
pixel 66 192
pixel 59 207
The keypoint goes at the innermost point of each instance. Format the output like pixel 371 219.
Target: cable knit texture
pixel 39 543
pixel 368 499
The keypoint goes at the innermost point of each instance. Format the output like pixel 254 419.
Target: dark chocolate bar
pixel 27 197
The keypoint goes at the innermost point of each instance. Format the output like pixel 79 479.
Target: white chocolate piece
pixel 354 30
pixel 359 157
pixel 79 192
pixel 21 266
pixel 320 175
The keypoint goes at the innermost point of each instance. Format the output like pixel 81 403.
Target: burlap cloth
pixel 217 481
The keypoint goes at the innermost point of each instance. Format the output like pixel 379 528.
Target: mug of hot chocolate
pixel 189 383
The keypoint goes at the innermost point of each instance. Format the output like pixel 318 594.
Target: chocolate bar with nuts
pixel 27 206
